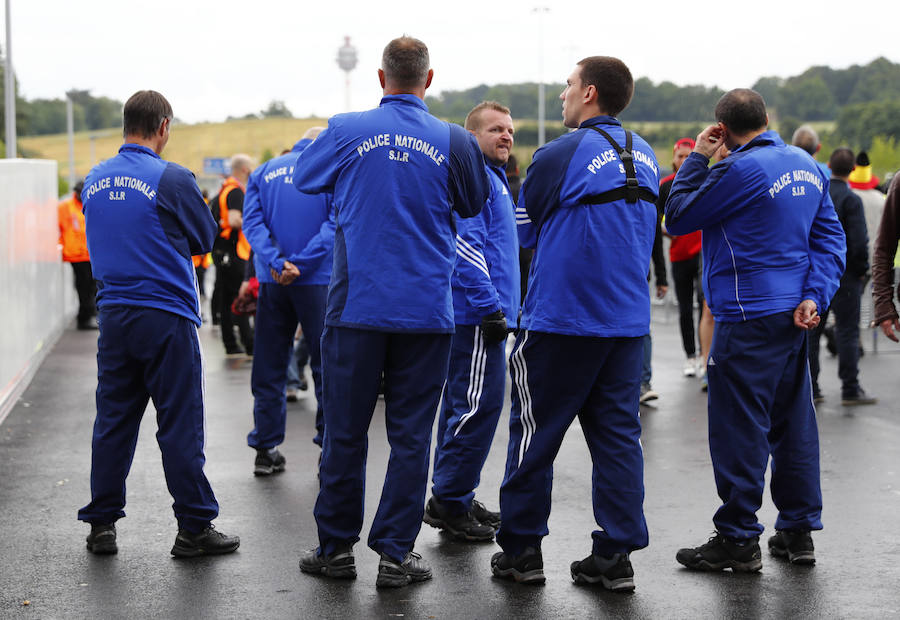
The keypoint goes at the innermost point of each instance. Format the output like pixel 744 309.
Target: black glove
pixel 493 327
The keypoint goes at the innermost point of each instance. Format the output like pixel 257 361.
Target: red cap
pixel 688 142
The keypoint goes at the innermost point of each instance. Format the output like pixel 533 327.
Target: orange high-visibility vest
pixel 71 231
pixel 243 246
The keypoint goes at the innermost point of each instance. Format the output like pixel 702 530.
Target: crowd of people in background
pixel 397 253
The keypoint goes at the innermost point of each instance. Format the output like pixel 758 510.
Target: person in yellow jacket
pixel 75 252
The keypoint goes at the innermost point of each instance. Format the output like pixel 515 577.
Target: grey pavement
pixel 45 463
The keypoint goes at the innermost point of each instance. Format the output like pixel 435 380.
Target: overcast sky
pixel 214 59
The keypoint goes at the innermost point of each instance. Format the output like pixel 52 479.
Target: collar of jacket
pixel 766 138
pixel 600 120
pixel 131 146
pixel 410 99
pixel 301 144
pixel 500 171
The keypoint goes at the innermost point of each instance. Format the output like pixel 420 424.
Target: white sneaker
pixel 647 393
pixel 690 367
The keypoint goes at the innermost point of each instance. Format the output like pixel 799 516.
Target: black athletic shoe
pixel 463 526
pixel 525 568
pixel 796 546
pixel 268 462
pixel 394 574
pixel 102 539
pixel 859 398
pixel 487 517
pixel 613 573
pixel 339 565
pixel 208 542
pixel 234 351
pixel 719 553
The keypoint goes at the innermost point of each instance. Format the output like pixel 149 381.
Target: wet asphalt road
pixel 45 463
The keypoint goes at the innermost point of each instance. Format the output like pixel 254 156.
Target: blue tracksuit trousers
pixel 278 310
pixel 472 402
pixel 557 378
pixel 415 368
pixel 143 354
pixel 760 404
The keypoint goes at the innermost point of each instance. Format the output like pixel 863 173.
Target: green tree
pixel 808 98
pixel 276 109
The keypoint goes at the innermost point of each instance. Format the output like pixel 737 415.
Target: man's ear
pixel 429 78
pixel 381 77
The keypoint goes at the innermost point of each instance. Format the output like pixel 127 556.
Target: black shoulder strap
pixel 631 192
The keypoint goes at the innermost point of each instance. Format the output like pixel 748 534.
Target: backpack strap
pixel 631 191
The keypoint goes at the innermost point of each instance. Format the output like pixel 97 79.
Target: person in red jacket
pixel 684 253
pixel 75 252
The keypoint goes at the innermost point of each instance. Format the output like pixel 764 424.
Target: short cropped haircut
pixel 612 79
pixel 806 138
pixel 741 110
pixel 241 161
pixel 473 119
pixel 405 62
pixel 842 162
pixel 144 112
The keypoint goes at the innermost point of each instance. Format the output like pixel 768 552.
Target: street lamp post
pixel 346 60
pixel 10 92
pixel 541 11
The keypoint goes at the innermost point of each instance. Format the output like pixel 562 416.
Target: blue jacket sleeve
pixel 697 184
pixel 255 229
pixel 541 190
pixel 319 246
pixel 469 186
pixel 471 267
pixel 827 247
pixel 316 170
pixel 184 215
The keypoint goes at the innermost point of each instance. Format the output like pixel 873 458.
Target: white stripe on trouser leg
pixel 520 381
pixel 476 379
pixel 202 385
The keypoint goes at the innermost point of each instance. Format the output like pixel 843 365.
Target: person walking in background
pixel 73 240
pixel 846 301
pixel 230 255
pixel 684 254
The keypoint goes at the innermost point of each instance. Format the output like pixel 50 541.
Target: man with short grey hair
pixel 397 175
pixel 806 138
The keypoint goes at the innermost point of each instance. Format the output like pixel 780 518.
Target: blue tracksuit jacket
pixel 160 205
pixel 393 258
pixel 283 224
pixel 486 276
pixel 770 234
pixel 589 273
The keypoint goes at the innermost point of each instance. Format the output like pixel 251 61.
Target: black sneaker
pixel 339 565
pixel 463 526
pixel 268 462
pixel 613 573
pixel 525 568
pixel 234 351
pixel 796 546
pixel 485 516
pixel 208 542
pixel 860 398
pixel 719 553
pixel 394 574
pixel 102 539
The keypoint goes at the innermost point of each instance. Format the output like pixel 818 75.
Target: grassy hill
pixel 188 144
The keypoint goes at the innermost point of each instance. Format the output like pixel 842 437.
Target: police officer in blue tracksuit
pixel 485 297
pixel 773 254
pixel 292 236
pixel 145 217
pixel 588 206
pixel 397 174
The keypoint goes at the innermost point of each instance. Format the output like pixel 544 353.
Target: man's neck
pixel 418 92
pixel 741 140
pixel 150 143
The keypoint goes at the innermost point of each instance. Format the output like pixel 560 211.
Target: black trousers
pixel 686 274
pixel 87 291
pixel 228 281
